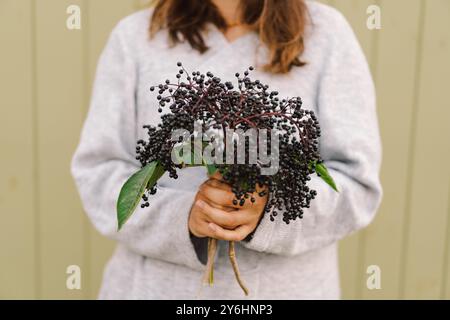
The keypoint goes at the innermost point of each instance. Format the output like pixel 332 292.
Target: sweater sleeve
pixel 105 158
pixel 350 146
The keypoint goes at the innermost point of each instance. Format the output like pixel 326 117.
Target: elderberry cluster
pixel 206 99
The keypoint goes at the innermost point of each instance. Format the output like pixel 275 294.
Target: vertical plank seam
pixel 446 250
pixel 35 151
pixel 411 151
pixel 374 49
pixel 86 226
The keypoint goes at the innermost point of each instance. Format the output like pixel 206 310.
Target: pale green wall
pixel 46 73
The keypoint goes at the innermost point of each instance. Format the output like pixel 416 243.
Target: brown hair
pixel 279 23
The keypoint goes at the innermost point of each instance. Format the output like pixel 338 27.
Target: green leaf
pixel 211 169
pixel 188 159
pixel 323 173
pixel 133 189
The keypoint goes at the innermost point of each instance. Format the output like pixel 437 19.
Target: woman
pixel 301 49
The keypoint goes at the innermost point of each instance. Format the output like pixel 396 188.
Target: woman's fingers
pixel 237 234
pixel 226 219
pixel 218 184
pixel 220 193
pixel 215 205
pixel 199 227
pixel 216 176
pixel 217 195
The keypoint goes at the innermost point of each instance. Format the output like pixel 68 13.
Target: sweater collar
pixel 214 36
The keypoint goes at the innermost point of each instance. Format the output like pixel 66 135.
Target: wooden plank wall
pixel 46 75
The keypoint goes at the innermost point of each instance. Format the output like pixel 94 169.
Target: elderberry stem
pixel 208 278
pixel 234 264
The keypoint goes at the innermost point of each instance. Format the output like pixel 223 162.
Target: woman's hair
pixel 279 23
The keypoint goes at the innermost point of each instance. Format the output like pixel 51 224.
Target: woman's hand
pixel 214 214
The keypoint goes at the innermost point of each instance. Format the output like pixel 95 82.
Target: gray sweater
pixel 155 257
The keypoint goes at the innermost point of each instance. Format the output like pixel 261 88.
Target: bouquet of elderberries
pixel 259 144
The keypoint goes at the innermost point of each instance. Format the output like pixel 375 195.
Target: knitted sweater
pixel 155 256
